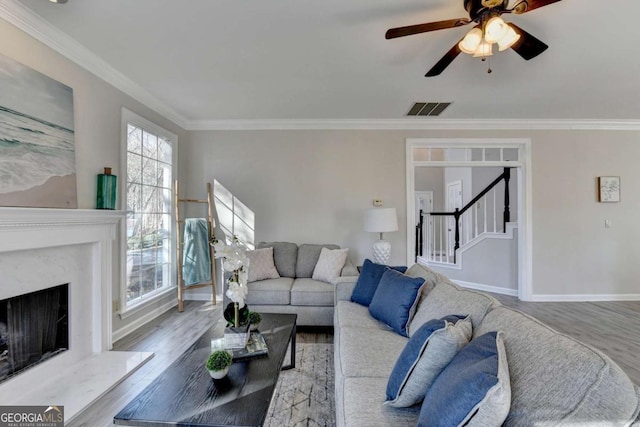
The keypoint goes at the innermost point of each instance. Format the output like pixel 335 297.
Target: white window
pixel 150 163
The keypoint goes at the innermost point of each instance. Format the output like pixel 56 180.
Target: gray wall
pixel 97 115
pixel 305 187
pixel 573 252
pixel 431 179
pixel 490 263
pixel 314 185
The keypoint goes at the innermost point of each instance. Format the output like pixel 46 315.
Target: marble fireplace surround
pixel 40 248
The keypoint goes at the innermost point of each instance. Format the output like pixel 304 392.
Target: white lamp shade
pixel 380 220
pixel 509 39
pixel 470 42
pixel 495 30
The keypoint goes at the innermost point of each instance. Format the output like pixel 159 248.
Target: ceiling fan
pixel 489 29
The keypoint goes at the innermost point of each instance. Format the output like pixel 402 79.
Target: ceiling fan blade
pixel 524 6
pixel 424 28
pixel 528 46
pixel 444 62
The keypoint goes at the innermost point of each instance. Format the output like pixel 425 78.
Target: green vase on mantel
pixel 106 194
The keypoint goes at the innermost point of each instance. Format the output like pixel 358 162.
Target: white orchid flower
pixel 219 246
pixel 243 277
pixel 237 293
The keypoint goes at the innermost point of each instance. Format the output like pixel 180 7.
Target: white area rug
pixel 304 396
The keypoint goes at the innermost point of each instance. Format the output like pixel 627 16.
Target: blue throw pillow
pixel 474 389
pixel 395 300
pixel 368 281
pixel 425 356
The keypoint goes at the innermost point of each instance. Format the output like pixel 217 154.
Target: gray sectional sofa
pixel 555 379
pixel 295 291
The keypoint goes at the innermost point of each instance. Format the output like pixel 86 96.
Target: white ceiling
pixel 296 59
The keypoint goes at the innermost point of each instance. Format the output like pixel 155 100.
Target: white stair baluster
pixel 467 232
pixel 446 259
pixel 441 241
pixel 495 226
pixel 475 234
pixel 432 236
pixel 484 202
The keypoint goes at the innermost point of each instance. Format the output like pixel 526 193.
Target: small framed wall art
pixel 608 189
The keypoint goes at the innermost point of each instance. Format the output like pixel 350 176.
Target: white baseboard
pixel 585 298
pixel 143 320
pixel 487 288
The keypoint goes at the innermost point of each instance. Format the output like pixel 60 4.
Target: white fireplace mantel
pixel 77 246
pixel 36 228
pixel 22 218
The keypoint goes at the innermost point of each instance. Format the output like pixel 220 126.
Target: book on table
pixel 236 337
pixel 255 347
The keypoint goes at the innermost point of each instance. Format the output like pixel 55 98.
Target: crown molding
pixel 416 124
pixel 25 19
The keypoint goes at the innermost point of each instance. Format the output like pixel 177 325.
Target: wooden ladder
pixel 179 226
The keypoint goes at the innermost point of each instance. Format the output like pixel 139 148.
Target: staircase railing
pixel 473 222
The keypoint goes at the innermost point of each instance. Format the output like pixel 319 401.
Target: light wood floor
pixel 613 327
pixel 167 337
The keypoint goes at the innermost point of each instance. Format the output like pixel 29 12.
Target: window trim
pixel 128 117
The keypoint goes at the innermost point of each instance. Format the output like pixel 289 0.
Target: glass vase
pixel 106 193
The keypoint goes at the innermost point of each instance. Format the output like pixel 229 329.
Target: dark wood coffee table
pixel 185 395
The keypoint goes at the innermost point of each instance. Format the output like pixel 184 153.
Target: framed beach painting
pixel 37 145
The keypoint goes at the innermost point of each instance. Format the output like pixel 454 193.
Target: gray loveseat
pixel 295 291
pixel 555 379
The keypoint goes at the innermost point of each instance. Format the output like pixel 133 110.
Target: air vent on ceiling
pixel 428 108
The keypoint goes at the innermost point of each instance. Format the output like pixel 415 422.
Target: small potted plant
pixel 218 364
pixel 254 320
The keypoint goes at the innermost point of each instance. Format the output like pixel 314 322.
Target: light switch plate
pixel 377 202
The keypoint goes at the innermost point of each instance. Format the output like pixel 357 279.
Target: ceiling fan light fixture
pixel 495 30
pixel 509 39
pixel 484 49
pixel 469 44
pixel 489 29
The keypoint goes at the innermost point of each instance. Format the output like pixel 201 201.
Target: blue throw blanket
pixel 196 258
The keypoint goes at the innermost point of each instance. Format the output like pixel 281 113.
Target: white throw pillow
pixel 330 264
pixel 261 265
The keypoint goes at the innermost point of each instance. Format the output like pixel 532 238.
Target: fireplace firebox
pixel 34 327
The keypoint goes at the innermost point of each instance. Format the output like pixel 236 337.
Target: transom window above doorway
pixel 465 154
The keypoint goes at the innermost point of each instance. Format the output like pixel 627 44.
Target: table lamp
pixel 381 220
